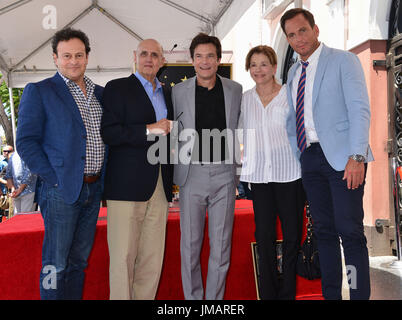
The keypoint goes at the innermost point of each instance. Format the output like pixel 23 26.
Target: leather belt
pixel 91 178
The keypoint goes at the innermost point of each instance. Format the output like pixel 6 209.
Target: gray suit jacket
pixel 183 97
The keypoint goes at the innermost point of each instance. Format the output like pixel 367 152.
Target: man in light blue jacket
pixel 328 127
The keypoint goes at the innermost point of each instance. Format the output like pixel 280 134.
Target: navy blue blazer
pixel 130 176
pixel 51 136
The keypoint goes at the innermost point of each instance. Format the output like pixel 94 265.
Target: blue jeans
pixel 68 240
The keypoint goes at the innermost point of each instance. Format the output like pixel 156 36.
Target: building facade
pixel 372 30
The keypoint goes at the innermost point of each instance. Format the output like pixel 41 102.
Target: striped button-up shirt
pixel 268 156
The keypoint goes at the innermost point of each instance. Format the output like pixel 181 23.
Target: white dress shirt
pixel 311 134
pixel 267 156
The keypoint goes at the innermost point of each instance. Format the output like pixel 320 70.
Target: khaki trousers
pixel 136 240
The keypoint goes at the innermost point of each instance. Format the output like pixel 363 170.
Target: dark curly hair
pixel 67 34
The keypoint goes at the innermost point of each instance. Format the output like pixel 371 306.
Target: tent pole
pixel 13 6
pixel 298 3
pixel 10 90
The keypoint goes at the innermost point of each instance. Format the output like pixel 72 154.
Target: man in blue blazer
pixel 58 137
pixel 328 127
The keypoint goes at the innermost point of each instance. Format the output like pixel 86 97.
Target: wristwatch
pixel 358 157
pixel 147 132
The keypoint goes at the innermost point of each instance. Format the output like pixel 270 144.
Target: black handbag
pixel 308 265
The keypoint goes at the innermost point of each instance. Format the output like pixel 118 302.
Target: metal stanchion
pixel 397 264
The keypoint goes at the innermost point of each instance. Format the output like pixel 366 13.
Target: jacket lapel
pixel 321 66
pixel 291 74
pixel 98 94
pixel 227 92
pixel 190 94
pixel 147 100
pixel 168 101
pixel 66 97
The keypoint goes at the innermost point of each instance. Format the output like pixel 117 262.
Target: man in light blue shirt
pixel 137 188
pixel 155 95
pixel 22 184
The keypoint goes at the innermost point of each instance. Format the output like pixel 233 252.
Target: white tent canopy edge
pixel 114 29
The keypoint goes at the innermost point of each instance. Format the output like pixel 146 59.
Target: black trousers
pixel 270 200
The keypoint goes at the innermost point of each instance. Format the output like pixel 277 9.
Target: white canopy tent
pixel 114 28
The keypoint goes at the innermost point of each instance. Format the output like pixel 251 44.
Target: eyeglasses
pixel 7 151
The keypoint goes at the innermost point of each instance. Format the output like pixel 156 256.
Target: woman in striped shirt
pixel 274 173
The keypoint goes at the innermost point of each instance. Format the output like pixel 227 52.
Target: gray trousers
pixel 208 188
pixel 24 203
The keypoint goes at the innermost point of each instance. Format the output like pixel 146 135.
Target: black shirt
pixel 210 114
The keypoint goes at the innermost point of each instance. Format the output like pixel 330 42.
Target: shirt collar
pixel 314 57
pixel 218 84
pixel 145 82
pixel 88 82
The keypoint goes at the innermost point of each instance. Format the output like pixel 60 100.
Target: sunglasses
pixel 7 151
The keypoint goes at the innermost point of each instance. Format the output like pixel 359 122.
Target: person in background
pixel 273 171
pixel 22 184
pixel 7 152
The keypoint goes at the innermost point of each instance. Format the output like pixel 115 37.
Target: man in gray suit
pixel 207 109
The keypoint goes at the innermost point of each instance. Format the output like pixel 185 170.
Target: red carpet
pixel 20 260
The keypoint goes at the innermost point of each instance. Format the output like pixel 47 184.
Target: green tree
pixel 5 111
